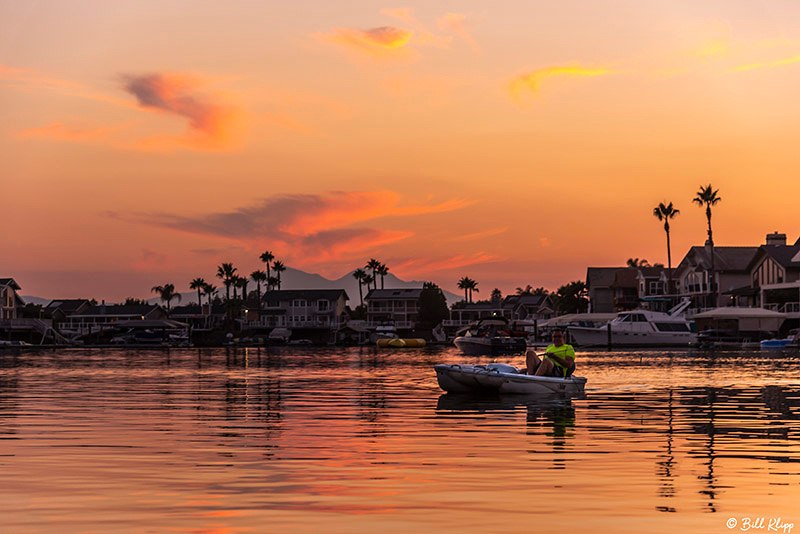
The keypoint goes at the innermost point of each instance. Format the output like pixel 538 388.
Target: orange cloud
pixel 457 24
pixel 28 79
pixel 308 227
pixel 377 43
pixel 419 266
pixel 531 81
pixel 478 235
pixel 212 125
pixel 61 132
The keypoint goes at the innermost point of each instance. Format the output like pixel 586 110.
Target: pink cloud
pixel 384 42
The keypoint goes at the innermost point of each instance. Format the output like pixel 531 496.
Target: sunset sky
pixel 517 143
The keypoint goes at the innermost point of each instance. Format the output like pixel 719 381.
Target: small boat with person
pixel 503 378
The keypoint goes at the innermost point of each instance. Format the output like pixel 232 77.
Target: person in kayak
pixel 557 361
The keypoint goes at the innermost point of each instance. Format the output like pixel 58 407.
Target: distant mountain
pixel 297 279
pixel 34 300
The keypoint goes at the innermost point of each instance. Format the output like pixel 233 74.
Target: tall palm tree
pixel 243 284
pixel 198 284
pixel 368 279
pixel 267 257
pixel 258 277
pixel 708 196
pixel 374 265
pixel 209 290
pixel 359 275
pixel 664 213
pixel 226 272
pixel 167 293
pixel 235 282
pixel 382 271
pixel 464 284
pixel 473 286
pixel 278 267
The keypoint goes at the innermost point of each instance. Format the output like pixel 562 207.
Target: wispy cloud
pixel 458 23
pixel 769 64
pixel 61 132
pixel 212 125
pixel 308 227
pixel 383 42
pixel 531 82
pixel 421 266
pixel 405 14
pixel 479 235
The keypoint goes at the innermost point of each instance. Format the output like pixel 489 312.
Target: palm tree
pixel 258 277
pixel 374 265
pixel 359 275
pixel 209 290
pixel 497 295
pixel 635 263
pixel 243 284
pixel 198 284
pixel 382 271
pixel 166 293
pixel 464 284
pixel 368 279
pixel 473 286
pixel 665 213
pixel 235 282
pixel 279 267
pixel 272 281
pixel 527 290
pixel 226 272
pixel 267 257
pixel 707 196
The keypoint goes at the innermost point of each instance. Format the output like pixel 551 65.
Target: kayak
pixel 503 378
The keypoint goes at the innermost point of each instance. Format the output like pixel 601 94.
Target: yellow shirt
pixel 564 351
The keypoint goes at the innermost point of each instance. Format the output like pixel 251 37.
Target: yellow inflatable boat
pixel 401 343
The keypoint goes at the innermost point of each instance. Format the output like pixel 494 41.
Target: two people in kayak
pixel 557 361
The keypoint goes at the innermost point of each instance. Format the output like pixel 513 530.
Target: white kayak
pixel 503 378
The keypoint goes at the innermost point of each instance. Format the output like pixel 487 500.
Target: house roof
pixel 308 294
pixel 118 309
pixel 394 294
pixel 785 255
pixel 66 305
pixel 601 276
pixel 531 300
pixel 725 258
pixel 9 282
pixel 627 277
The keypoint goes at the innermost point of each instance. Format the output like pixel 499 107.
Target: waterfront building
pixel 397 307
pixel 10 301
pixel 464 313
pixel 529 307
pixel 198 317
pixel 775 276
pixel 304 308
pixel 612 289
pixel 693 274
pixel 58 310
pixel 103 315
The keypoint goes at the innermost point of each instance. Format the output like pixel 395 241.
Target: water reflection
pixel 312 439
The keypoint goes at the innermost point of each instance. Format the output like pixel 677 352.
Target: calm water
pixel 360 440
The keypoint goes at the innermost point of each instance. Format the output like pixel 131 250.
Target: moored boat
pixel 503 378
pixel 489 336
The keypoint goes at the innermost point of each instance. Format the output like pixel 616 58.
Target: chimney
pixel 776 239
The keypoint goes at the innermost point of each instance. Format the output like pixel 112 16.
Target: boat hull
pixel 503 379
pixel 490 345
pixel 584 336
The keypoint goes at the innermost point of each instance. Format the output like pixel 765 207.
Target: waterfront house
pixel 104 315
pixel 529 307
pixel 693 274
pixel 464 313
pixel 197 317
pixel 397 307
pixel 304 308
pixel 775 275
pixel 612 289
pixel 58 310
pixel 10 301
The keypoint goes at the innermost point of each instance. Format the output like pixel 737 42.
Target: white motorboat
pixel 639 328
pixel 503 378
pixel 489 336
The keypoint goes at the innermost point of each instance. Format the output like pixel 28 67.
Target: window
pixel 672 327
pixel 323 305
pixel 299 303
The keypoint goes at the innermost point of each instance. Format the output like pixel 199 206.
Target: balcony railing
pixel 786 307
